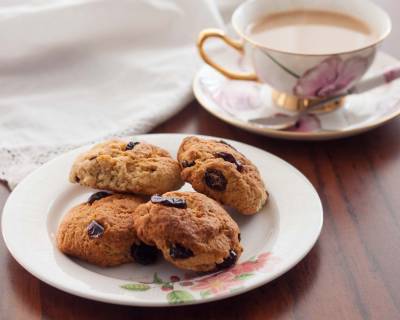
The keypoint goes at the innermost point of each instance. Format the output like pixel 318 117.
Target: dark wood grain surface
pixel 353 272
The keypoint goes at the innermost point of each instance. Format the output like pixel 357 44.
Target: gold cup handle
pixel 237 45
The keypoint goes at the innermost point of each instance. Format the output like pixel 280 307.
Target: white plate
pixel 236 101
pixel 274 240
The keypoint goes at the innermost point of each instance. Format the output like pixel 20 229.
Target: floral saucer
pixel 236 102
pixel 274 239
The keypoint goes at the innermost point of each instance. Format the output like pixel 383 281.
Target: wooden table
pixel 353 272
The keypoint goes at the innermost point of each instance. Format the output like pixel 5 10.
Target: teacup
pixel 301 79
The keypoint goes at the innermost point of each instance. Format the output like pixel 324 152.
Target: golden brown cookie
pixel 193 231
pixel 218 170
pixel 136 167
pixel 100 231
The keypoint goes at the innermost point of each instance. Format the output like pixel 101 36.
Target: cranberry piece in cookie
pixel 176 251
pixel 144 254
pixel 95 230
pixel 229 261
pixel 215 179
pixel 131 145
pixel 97 196
pixel 187 164
pixel 168 201
pixel 230 158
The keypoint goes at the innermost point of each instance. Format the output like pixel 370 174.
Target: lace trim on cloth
pixel 17 163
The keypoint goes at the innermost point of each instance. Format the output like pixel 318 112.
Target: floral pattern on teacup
pixel 330 77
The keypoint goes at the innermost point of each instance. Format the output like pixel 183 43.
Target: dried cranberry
pixel 226 156
pixel 95 230
pixel 215 179
pixel 229 261
pixel 144 254
pixel 97 196
pixel 239 166
pixel 227 144
pixel 169 202
pixel 186 164
pixel 131 145
pixel 166 287
pixel 230 158
pixel 176 251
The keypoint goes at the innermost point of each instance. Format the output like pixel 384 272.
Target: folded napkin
pixel 76 71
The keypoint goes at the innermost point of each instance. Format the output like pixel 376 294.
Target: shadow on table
pixel 275 300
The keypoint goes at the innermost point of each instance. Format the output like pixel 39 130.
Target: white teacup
pixel 294 76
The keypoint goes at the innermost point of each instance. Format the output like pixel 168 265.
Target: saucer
pixel 236 102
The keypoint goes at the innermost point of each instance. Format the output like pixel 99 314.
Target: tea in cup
pixel 305 50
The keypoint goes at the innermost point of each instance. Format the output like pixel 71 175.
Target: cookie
pixel 136 167
pixel 101 231
pixel 192 231
pixel 221 172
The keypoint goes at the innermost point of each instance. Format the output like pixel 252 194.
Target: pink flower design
pixel 224 281
pixel 237 96
pixel 251 265
pixel 307 123
pixel 391 75
pixel 330 77
pixel 217 283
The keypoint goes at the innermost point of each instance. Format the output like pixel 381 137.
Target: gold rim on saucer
pixel 296 104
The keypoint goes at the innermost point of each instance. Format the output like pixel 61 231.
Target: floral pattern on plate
pixel 191 288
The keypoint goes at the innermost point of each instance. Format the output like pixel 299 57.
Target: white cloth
pixel 79 71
